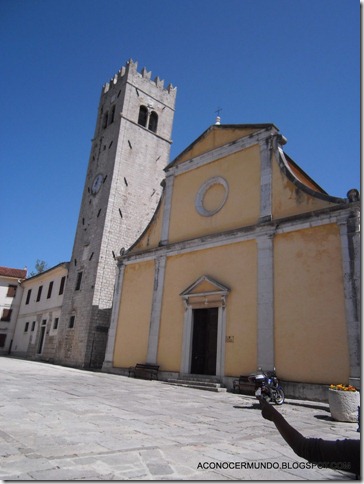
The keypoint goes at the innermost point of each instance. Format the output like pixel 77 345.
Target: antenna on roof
pixel 218 119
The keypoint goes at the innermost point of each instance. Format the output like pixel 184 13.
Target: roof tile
pixel 10 272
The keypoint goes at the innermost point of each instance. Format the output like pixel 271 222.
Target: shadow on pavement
pixel 254 406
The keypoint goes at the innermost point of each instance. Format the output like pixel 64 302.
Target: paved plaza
pixel 59 423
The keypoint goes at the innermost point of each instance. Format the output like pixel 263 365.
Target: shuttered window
pixel 61 287
pixel 6 316
pixel 39 295
pixel 11 290
pixel 50 287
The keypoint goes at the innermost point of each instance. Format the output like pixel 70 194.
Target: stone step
pixel 184 381
pixel 198 387
pixel 199 378
pixel 205 384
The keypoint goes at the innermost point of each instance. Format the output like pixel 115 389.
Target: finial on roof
pixel 218 118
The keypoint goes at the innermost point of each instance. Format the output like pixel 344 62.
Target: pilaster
pixel 220 350
pixel 167 208
pixel 160 265
pixel 350 247
pixel 187 340
pixel 265 337
pixel 109 353
pixel 265 180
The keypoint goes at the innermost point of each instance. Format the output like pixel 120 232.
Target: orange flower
pixel 343 388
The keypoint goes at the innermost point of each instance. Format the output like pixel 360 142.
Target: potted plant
pixel 344 401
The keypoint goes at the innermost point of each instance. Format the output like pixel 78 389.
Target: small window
pixel 2 340
pixel 26 327
pixel 11 290
pixel 55 323
pixel 33 325
pixel 143 116
pixel 50 287
pixel 78 282
pixel 153 121
pixel 61 287
pixel 28 296
pixel 39 295
pixel 71 323
pixel 6 316
pixel 112 115
pixel 104 121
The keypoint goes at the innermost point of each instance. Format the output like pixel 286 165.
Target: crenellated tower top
pixel 131 70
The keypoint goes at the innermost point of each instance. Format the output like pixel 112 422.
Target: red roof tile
pixel 10 272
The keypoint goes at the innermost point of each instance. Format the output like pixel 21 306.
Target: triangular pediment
pixel 216 136
pixel 205 285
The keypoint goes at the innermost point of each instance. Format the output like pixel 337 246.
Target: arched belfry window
pixel 143 116
pixel 148 119
pixel 153 121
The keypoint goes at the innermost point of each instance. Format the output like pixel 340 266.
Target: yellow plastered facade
pixel 230 266
pixel 242 173
pixel 310 325
pixel 131 341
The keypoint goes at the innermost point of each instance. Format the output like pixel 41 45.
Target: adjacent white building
pixel 39 313
pixel 10 297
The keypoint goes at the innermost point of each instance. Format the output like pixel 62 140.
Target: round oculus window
pixel 211 196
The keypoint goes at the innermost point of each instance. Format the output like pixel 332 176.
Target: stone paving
pixel 59 423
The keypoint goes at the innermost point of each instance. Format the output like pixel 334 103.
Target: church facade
pixel 246 263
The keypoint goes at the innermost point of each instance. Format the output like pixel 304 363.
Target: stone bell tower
pixel 130 149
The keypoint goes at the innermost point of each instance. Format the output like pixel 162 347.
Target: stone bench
pixel 145 371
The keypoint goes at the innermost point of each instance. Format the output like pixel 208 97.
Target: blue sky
pixel 295 63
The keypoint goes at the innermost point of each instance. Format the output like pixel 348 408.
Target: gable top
pixel 11 272
pixel 218 135
pixel 205 285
